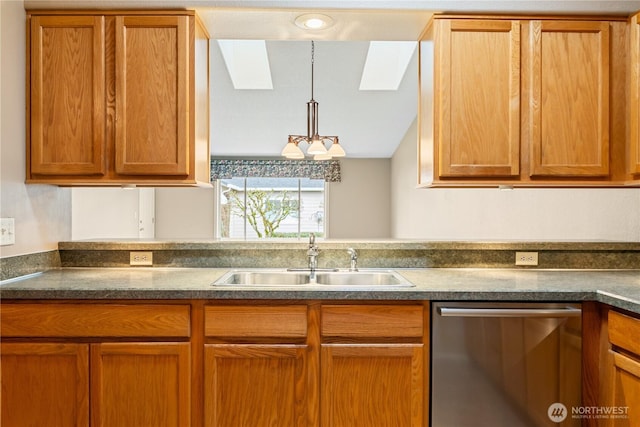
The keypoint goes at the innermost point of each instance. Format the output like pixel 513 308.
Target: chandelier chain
pixel 312 62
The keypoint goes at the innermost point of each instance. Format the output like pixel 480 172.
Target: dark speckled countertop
pixel 619 288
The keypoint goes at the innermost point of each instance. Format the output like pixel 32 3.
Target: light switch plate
pixel 7 231
pixel 141 258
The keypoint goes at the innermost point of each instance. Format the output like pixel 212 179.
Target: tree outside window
pixel 271 207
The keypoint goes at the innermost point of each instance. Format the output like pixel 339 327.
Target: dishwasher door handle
pixel 508 312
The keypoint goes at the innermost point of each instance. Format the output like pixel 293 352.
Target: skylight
pixel 386 64
pixel 247 63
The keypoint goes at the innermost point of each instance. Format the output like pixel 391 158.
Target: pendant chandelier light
pixel 317 147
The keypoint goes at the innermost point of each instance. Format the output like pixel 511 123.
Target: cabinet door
pixel 256 385
pixel 569 99
pixel 140 384
pixel 152 95
pixel 372 385
pixel 634 101
pixel 44 384
pixel 477 98
pixel 626 389
pixel 67 129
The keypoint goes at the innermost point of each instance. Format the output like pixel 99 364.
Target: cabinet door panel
pixel 140 384
pixel 44 384
pixel 256 321
pixel 255 385
pixel 152 95
pixel 372 385
pixel 634 102
pixel 67 95
pixel 569 98
pixel 94 320
pixel 478 108
pixel 371 321
pixel 626 389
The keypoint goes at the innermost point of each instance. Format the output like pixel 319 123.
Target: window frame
pixel 301 234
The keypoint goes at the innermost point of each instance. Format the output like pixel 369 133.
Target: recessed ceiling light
pixel 313 21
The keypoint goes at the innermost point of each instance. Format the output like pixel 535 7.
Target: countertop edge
pixel 619 289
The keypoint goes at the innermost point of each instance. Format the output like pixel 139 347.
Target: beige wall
pixel 42 213
pixel 105 213
pixel 520 214
pixel 360 205
pixel 185 213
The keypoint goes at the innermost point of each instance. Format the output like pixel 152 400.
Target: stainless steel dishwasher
pixel 505 364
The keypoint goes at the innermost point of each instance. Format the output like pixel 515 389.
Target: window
pixel 256 208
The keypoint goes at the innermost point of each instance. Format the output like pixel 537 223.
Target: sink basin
pixel 338 279
pixel 263 278
pixel 362 278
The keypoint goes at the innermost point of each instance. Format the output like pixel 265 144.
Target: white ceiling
pixel 369 123
pixel 258 122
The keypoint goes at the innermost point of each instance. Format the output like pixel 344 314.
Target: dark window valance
pixel 329 170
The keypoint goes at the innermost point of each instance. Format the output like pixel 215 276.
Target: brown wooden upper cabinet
pixel 524 102
pixel 568 75
pixel 111 98
pixel 478 98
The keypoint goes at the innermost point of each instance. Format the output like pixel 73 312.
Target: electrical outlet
pixel 526 258
pixel 140 258
pixel 7 231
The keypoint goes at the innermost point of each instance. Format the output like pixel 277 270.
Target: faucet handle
pixel 353 266
pixel 312 239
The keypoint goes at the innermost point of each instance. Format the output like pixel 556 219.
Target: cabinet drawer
pixel 256 321
pixel 372 321
pixel 624 331
pixel 94 320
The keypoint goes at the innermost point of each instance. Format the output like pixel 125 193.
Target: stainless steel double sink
pixel 304 278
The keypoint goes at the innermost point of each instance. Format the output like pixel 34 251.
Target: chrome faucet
pixel 353 266
pixel 312 254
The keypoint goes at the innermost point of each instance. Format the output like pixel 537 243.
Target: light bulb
pixel 292 151
pixel 336 150
pixel 317 147
pixel 313 21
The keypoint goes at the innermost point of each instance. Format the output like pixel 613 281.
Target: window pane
pixel 231 216
pixel 254 208
pixel 312 207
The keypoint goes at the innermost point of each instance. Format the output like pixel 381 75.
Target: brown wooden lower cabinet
pixel 372 385
pixel 120 384
pixel 625 389
pixel 372 366
pixel 255 385
pixel 284 363
pixel 257 365
pixel 99 365
pixel 214 364
pixel 326 365
pixel 621 389
pixel 140 384
pixel 45 384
